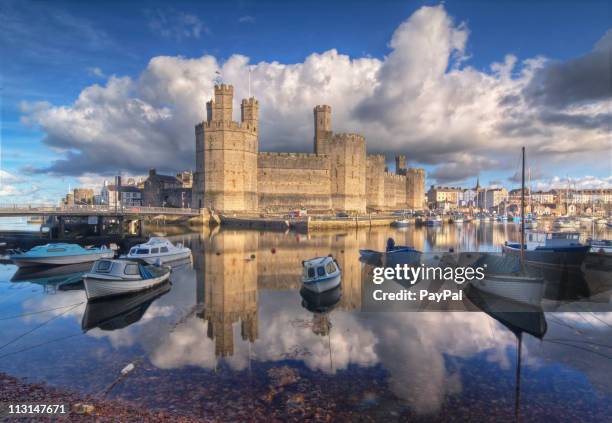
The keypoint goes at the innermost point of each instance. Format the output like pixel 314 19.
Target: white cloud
pixel 246 19
pixel 586 182
pixel 421 100
pixel 96 71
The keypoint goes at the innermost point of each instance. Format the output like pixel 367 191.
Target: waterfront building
pixel 491 198
pixel 125 196
pixel 444 198
pixel 233 175
pixel 167 190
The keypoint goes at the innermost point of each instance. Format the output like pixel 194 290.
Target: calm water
pixel 233 338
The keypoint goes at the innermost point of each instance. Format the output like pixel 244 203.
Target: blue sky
pixel 51 52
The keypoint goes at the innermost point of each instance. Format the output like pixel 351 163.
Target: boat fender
pixel 158 262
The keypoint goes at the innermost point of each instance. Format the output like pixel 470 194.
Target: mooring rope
pixel 39 312
pixel 35 328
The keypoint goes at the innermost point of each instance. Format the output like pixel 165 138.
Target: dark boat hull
pixel 554 258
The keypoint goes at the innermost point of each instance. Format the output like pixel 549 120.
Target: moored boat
pixel 601 246
pixel 108 278
pixel 401 223
pixel 159 249
pixel 60 254
pixel 519 289
pixel 433 221
pixel 321 274
pixel 120 312
pixel 550 248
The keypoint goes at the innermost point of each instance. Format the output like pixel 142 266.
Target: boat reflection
pixel 120 312
pixel 56 277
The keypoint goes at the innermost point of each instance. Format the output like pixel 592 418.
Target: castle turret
pixel 322 127
pixel 400 164
pixel 249 112
pixel 220 109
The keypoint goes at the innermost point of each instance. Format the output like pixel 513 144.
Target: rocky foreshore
pixel 79 407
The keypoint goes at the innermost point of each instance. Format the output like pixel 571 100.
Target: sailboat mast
pixel 523 204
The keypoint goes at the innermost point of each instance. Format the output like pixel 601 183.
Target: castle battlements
pixel 394 176
pixel 231 125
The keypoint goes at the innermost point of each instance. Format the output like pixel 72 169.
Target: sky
pixel 89 90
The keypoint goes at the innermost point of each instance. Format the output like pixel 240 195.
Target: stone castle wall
pixel 395 191
pixel 375 181
pixel 286 181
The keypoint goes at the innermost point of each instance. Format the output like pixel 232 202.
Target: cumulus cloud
pixel 422 99
pixel 585 182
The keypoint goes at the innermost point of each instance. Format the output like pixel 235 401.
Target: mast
pixel 522 204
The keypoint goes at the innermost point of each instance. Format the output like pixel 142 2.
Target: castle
pixel 232 175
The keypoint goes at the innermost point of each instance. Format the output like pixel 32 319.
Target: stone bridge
pixel 12 210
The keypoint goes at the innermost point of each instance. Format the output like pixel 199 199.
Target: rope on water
pixel 35 328
pixel 31 347
pixel 39 312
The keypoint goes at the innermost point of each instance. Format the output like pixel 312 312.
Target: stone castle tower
pixel 226 154
pixel 322 126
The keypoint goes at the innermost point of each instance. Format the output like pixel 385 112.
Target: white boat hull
pixel 324 285
pixel 97 287
pixel 529 291
pixel 61 260
pixel 164 258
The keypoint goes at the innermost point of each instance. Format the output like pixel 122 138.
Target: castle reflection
pixel 233 266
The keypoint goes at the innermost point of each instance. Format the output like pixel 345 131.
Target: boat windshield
pixel 311 272
pixel 142 251
pixel 55 250
pixel 320 271
pixel 104 266
pixel 331 268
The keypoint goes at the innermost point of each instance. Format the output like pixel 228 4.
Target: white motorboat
pixel 321 274
pixel 159 249
pixel 60 254
pixel 108 278
pixel 401 223
pixel 601 246
pixel 520 289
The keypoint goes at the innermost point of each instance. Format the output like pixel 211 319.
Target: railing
pixel 91 209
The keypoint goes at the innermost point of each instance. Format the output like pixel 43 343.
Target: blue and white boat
pixel 557 249
pixel 321 274
pixel 60 254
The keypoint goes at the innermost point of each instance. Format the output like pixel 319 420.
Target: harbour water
pixel 233 338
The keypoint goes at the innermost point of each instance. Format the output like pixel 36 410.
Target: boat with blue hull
pixel 393 254
pixel 60 254
pixel 556 249
pixel 321 274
